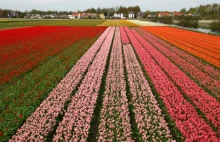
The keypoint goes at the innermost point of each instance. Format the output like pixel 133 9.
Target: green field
pixel 12 23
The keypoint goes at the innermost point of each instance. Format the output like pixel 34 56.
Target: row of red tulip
pixel 114 119
pixel 185 116
pixel 76 121
pixel 150 121
pixel 42 121
pixel 204 79
pixel 124 36
pixel 206 103
pixel 208 69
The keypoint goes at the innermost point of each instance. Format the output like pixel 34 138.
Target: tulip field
pixel 109 84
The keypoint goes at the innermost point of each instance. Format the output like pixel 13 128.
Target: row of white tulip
pixel 115 120
pixel 146 23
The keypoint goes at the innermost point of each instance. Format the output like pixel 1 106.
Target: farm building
pixel 77 15
pixel 71 16
pixel 131 14
pixel 178 13
pixel 119 15
pixel 88 15
pixel 163 14
pixel 102 16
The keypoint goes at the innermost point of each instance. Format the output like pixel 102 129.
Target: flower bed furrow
pixel 187 120
pixel 42 121
pixel 76 121
pixel 206 103
pixel 189 58
pixel 205 80
pixel 114 119
pixel 150 121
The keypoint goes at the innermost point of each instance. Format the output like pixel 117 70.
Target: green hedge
pixel 215 26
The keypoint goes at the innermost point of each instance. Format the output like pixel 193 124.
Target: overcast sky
pixel 74 5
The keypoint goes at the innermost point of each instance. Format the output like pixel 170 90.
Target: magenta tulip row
pixel 187 120
pixel 124 36
pixel 205 102
pixel 189 58
pixel 150 121
pixel 204 79
pixel 115 120
pixel 42 121
pixel 76 121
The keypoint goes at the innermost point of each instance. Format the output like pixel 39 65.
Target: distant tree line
pixel 111 11
pixel 191 17
pixel 209 11
pixel 106 11
pixel 7 13
pixel 215 25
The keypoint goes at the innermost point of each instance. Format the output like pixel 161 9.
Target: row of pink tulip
pixel 150 121
pixel 115 120
pixel 206 103
pixel 204 79
pixel 42 121
pixel 76 121
pixel 124 36
pixel 185 116
pixel 206 68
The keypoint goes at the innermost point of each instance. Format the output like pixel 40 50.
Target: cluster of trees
pixel 111 11
pixel 188 21
pixel 105 11
pixel 5 13
pixel 9 13
pixel 34 11
pixel 165 20
pixel 209 11
pixel 215 26
pixel 203 11
pixel 184 21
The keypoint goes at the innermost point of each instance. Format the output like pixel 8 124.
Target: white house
pixel 120 15
pixel 33 16
pixel 115 15
pixel 131 15
pixel 102 16
pixel 77 15
pixel 71 16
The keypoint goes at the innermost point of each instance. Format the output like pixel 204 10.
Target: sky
pixel 74 5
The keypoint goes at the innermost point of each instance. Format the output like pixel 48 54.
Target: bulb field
pixel 112 82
